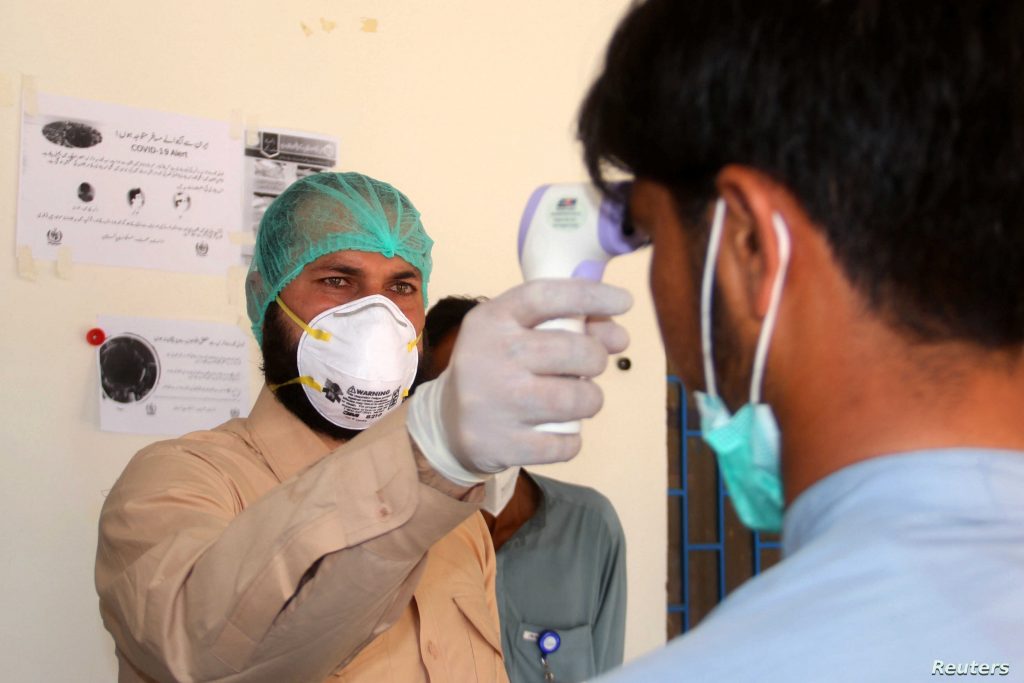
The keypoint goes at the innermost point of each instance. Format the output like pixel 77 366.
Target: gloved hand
pixel 505 378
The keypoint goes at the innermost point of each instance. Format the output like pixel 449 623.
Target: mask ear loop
pixel 761 353
pixel 322 335
pixel 305 379
pixel 410 347
pixel 714 240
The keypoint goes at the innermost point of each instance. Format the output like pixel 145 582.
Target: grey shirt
pixel 564 570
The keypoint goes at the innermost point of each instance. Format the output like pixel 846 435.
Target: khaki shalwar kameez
pixel 251 552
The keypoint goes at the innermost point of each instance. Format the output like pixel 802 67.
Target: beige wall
pixel 464 104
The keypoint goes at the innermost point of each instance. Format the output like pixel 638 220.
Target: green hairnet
pixel 329 212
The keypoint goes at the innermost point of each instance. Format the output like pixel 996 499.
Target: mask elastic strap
pixel 322 335
pixel 761 353
pixel 714 239
pixel 410 347
pixel 305 379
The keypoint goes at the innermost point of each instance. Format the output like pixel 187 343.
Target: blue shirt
pixel 901 568
pixel 564 569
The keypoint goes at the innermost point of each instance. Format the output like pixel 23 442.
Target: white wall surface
pixel 465 105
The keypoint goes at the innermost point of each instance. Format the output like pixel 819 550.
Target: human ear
pixel 750 252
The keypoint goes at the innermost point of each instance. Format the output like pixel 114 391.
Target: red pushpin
pixel 95 336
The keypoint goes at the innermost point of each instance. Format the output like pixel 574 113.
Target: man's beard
pixel 280 364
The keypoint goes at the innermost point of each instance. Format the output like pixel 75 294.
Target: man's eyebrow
pixel 405 275
pixel 340 268
pixel 356 271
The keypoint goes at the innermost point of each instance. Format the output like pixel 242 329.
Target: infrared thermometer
pixel 573 230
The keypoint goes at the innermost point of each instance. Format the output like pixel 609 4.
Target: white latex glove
pixel 505 378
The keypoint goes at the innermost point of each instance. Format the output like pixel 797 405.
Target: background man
pixel 561 553
pixel 280 548
pixel 833 191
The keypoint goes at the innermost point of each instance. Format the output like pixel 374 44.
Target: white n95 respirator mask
pixel 356 361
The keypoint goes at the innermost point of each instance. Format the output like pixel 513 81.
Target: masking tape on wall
pixel 236 124
pixel 252 130
pixel 7 98
pixel 26 264
pixel 65 264
pixel 29 101
pixel 242 237
pixel 236 284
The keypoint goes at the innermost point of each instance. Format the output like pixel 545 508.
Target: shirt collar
pixel 942 485
pixel 284 441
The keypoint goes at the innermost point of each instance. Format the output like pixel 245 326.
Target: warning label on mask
pixel 362 405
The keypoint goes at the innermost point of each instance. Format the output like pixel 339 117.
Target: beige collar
pixel 287 445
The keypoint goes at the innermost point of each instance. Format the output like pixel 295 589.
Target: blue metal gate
pixel 684 499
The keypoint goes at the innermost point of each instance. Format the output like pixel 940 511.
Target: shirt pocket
pixel 484 640
pixel 572 662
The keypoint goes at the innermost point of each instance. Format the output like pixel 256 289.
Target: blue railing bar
pixel 683 462
pixel 720 523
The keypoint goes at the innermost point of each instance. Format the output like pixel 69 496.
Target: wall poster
pixel 122 186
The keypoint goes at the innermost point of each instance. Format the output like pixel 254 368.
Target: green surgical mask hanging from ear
pixel 747 443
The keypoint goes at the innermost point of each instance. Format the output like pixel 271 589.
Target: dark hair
pixel 445 316
pixel 898 125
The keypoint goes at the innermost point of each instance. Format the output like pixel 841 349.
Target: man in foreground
pixel 334 532
pixel 833 192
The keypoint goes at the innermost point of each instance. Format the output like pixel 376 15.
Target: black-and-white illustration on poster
pixel 170 376
pixel 123 186
pixel 129 368
pixel 279 158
